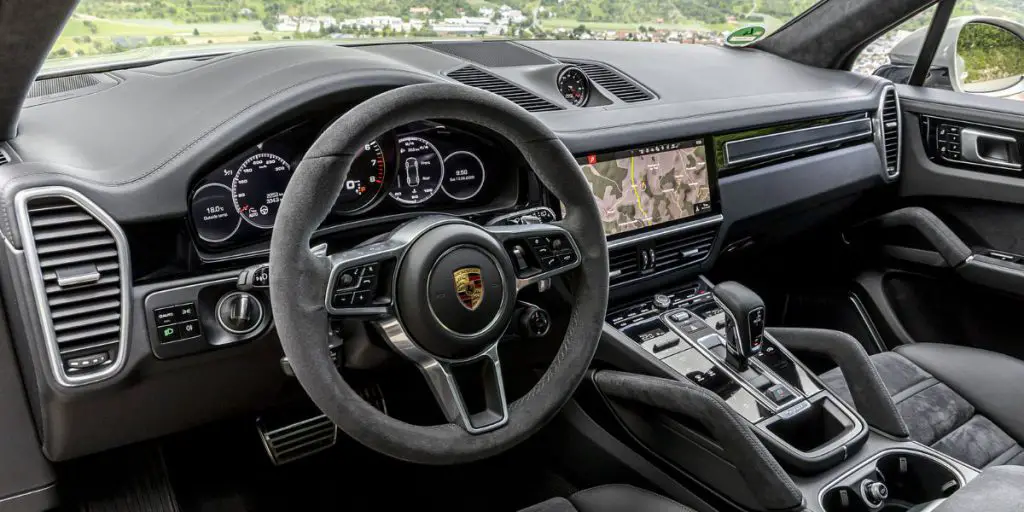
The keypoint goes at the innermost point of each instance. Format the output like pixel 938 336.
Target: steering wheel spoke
pixel 487 409
pixel 361 282
pixel 538 251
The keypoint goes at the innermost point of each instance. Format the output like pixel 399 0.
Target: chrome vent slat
pixel 101 267
pixel 889 119
pixel 86 321
pixel 104 279
pixel 85 308
pixel 61 219
pixel 91 332
pixel 614 82
pixel 476 77
pixel 76 297
pixel 105 343
pixel 60 261
pixel 86 229
pixel 84 311
pixel 53 247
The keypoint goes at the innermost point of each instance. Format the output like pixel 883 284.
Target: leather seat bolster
pixel 987 380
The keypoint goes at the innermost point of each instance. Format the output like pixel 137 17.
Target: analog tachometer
pixel 365 180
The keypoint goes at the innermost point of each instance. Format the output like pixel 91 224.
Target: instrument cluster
pixel 420 167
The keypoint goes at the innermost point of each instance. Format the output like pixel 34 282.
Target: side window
pixel 981 52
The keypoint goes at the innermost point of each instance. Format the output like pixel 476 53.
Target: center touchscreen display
pixel 639 188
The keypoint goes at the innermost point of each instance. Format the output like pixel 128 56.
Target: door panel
pixel 976 304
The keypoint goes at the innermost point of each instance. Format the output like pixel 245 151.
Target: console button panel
pixel 178 322
pixel 356 286
pixel 184 320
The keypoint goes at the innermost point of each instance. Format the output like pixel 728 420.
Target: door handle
pixel 991 149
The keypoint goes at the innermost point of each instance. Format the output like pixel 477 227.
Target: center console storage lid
pixel 997 489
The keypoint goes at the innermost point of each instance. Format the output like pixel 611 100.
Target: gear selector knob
pixel 744 321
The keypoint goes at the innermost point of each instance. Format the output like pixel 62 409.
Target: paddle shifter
pixel 744 322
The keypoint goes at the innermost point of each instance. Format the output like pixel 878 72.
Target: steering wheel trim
pixel 300 280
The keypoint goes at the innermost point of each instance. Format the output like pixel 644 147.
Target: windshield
pixel 120 30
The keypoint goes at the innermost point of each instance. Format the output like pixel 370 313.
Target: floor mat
pixel 226 472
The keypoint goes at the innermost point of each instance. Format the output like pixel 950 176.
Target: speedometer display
pixel 420 171
pixel 365 180
pixel 258 187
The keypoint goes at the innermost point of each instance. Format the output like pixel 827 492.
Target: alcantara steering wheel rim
pixel 302 283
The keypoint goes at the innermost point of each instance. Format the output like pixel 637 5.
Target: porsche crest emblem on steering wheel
pixel 469 286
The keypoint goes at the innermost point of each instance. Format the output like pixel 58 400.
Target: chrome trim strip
pixel 21 200
pixel 811 145
pixel 922 453
pixel 880 133
pixel 26 494
pixel 671 230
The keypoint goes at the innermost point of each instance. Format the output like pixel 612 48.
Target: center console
pixel 714 337
pixel 692 331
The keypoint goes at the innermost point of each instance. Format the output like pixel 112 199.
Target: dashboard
pixel 193 157
pixel 426 166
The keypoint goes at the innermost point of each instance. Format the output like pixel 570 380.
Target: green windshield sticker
pixel 745 36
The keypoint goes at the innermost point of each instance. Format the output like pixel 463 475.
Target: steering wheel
pixel 441 290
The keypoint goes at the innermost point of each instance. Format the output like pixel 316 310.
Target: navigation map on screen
pixel 644 187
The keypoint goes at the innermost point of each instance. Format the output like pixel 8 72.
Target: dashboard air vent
pixel 4 159
pixel 79 259
pixel 623 264
pixel 889 114
pixel 614 82
pixel 480 79
pixel 666 253
pixel 678 252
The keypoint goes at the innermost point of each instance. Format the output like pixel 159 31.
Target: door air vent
pixel 889 116
pixel 481 79
pixel 673 251
pixel 78 257
pixel 614 82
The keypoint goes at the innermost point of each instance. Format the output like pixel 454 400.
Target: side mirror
pixel 977 54
pixel 990 59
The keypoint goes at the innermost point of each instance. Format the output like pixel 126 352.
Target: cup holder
pixel 896 481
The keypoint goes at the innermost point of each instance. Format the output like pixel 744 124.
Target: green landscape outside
pixel 128 30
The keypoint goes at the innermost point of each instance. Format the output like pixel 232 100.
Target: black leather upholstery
pixel 961 401
pixel 610 498
pixel 988 380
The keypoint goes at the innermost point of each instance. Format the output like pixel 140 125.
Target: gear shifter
pixel 744 322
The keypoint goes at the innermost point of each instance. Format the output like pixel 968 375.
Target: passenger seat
pixel 965 402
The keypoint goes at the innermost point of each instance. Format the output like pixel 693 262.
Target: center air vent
pixel 481 79
pixel 889 116
pixel 614 82
pixel 663 254
pixel 78 257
